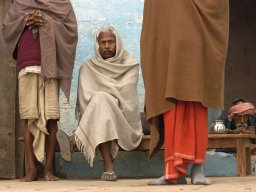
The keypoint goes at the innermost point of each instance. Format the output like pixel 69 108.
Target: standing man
pixel 107 104
pixel 183 52
pixel 42 36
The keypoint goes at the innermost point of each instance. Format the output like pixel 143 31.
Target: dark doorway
pixel 241 61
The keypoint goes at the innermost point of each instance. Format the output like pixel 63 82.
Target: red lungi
pixel 186 138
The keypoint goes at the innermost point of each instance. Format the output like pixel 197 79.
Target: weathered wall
pixel 7 105
pixel 241 61
pixel 126 16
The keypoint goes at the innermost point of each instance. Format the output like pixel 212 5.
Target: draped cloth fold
pixel 38 102
pixel 185 138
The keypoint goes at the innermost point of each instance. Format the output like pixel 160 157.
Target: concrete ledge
pixel 220 164
pixel 135 164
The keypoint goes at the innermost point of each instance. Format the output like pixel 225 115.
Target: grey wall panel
pixel 7 105
pixel 241 61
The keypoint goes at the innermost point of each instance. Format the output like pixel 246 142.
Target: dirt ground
pixel 220 184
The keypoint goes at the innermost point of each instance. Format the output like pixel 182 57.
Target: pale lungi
pixel 38 102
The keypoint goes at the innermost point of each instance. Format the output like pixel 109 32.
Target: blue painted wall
pixel 126 17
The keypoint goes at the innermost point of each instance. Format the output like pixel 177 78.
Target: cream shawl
pixel 107 106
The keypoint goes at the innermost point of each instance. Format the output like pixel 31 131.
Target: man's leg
pixel 31 175
pixel 197 175
pixel 52 128
pixel 201 123
pixel 172 175
pixel 109 173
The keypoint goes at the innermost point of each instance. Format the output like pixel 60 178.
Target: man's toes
pixel 51 177
pixel 28 179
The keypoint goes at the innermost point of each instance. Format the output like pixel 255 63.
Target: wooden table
pixel 241 142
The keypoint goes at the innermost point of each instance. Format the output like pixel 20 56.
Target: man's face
pixel 107 44
pixel 241 121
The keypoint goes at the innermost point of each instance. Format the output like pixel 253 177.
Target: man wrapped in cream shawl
pixel 107 104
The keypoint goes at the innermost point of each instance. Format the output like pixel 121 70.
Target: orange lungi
pixel 186 138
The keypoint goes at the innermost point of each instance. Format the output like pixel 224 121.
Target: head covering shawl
pixel 241 109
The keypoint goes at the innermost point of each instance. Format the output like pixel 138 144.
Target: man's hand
pixel 34 19
pixel 253 149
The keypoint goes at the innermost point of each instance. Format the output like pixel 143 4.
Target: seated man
pixel 107 105
pixel 240 116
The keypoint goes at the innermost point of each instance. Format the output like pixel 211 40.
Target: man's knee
pixel 52 124
pixel 102 96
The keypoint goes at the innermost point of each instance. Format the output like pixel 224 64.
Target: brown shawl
pixel 183 52
pixel 58 36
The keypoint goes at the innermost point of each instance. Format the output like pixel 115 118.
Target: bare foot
pixel 197 175
pixel 162 181
pixel 108 176
pixel 31 176
pixel 50 177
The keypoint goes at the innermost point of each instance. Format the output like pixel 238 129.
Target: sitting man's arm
pixel 228 124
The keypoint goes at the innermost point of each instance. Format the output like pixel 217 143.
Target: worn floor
pixel 220 184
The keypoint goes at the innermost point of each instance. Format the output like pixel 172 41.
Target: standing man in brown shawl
pixel 183 52
pixel 42 36
pixel 107 104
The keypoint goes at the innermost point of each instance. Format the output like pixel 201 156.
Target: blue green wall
pixel 126 17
